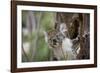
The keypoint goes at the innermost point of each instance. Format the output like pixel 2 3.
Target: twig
pixel 25 54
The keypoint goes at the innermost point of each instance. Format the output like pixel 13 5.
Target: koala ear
pixel 45 36
pixel 63 27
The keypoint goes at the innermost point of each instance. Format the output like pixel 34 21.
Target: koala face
pixel 54 37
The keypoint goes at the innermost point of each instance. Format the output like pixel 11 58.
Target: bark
pixel 77 25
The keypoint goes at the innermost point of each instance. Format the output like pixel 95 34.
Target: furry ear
pixel 63 27
pixel 45 36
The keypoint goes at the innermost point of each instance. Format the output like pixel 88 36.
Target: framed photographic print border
pixel 14 35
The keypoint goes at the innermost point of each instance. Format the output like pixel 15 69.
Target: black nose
pixel 54 41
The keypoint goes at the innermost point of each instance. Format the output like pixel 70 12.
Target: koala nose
pixel 54 41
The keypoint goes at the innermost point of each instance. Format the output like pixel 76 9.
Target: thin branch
pixel 25 54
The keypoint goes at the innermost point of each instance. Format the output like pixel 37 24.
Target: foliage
pixel 46 23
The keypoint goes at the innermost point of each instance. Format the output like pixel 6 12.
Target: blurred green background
pixel 34 23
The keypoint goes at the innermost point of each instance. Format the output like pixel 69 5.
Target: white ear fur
pixel 63 27
pixel 45 36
